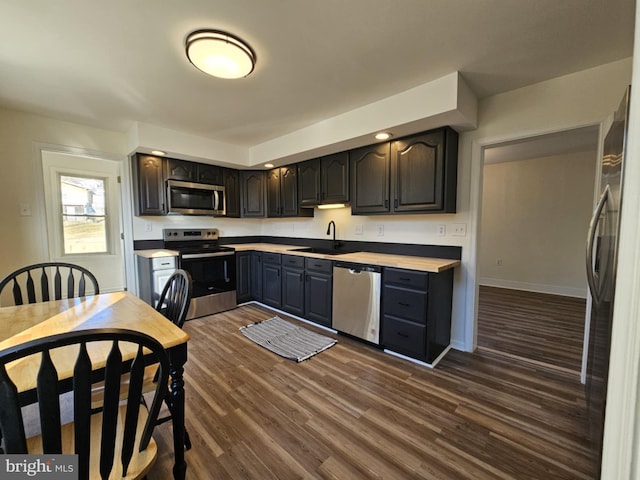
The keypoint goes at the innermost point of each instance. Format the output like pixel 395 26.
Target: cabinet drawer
pixel 319 265
pixel 407 304
pixel 406 278
pixel 161 263
pixel 404 337
pixel 271 258
pixel 292 261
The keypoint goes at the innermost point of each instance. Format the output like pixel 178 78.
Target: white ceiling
pixel 110 64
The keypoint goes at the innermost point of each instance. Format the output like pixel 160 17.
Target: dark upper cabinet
pixel 309 183
pixel 231 182
pixel 211 174
pixel 416 174
pixel 424 172
pixel 334 178
pixel 181 170
pixel 187 171
pixel 282 193
pixel 324 180
pixel 148 182
pixel 252 193
pixel 370 177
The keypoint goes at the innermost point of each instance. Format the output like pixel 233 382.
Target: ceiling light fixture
pixel 157 152
pixel 269 165
pixel 383 136
pixel 220 54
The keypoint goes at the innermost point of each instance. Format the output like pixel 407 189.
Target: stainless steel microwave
pixel 189 198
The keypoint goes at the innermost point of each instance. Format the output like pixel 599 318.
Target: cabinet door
pixel 231 182
pixel 253 193
pixel 370 173
pixel 422 168
pixel 148 180
pixel 255 279
pixel 243 275
pixel 211 174
pixel 293 291
pixel 309 183
pixel 271 285
pixel 182 170
pixel 317 298
pixel 289 191
pixel 335 178
pixel 273 193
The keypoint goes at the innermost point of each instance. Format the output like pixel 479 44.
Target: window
pixel 84 220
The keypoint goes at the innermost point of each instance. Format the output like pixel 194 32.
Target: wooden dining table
pixel 19 324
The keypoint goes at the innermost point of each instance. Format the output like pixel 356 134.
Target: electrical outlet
pixel 459 229
pixel 380 230
pixel 442 230
pixel 499 262
pixel 25 210
pixel 148 227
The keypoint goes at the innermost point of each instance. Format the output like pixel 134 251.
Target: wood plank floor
pixel 354 412
pixel 544 328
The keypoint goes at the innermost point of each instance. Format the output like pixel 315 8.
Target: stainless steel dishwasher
pixel 356 300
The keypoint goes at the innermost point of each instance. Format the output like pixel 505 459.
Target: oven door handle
pixel 190 256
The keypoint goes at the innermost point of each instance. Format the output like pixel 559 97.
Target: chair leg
pixel 187 440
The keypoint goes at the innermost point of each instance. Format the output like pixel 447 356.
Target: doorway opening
pixel 537 198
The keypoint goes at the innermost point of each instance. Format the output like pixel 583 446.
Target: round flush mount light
pixel 158 152
pixel 383 136
pixel 220 54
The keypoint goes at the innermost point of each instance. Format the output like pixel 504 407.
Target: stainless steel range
pixel 211 266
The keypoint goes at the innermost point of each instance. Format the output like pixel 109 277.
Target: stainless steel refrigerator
pixel 602 250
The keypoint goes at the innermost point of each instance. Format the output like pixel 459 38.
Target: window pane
pixel 83 215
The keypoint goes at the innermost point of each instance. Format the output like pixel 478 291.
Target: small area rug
pixel 287 340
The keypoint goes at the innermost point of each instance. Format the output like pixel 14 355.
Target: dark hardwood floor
pixel 542 328
pixel 354 412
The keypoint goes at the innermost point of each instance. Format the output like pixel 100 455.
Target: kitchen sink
pixel 323 251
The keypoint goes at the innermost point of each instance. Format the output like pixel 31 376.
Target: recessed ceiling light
pixel 157 152
pixel 269 165
pixel 220 54
pixel 383 136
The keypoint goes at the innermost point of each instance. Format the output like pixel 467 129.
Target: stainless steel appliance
pixel 356 300
pixel 211 266
pixel 602 246
pixel 188 198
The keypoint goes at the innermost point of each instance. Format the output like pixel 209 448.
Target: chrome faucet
pixel 335 244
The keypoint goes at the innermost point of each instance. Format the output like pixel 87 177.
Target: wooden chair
pixel 78 282
pixel 174 302
pixel 114 443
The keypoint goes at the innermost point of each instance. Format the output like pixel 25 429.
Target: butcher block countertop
pixel 423 264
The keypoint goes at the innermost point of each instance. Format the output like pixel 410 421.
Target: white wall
pixel 576 100
pixel 24 238
pixel 535 215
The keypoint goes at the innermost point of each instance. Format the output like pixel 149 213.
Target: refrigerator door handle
pixel 593 228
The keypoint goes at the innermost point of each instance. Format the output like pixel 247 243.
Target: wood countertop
pixel 157 253
pixel 423 264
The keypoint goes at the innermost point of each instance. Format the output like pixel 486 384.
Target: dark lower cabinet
pixel 271 280
pixel 416 312
pixel 255 279
pixel 318 292
pixel 293 284
pixel 243 277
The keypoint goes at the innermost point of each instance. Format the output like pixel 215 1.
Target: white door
pixel 83 212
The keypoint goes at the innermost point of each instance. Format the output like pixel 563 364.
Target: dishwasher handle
pixel 355 268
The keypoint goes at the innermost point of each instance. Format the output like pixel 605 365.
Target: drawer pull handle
pixel 403 335
pixel 402 304
pixel 405 279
